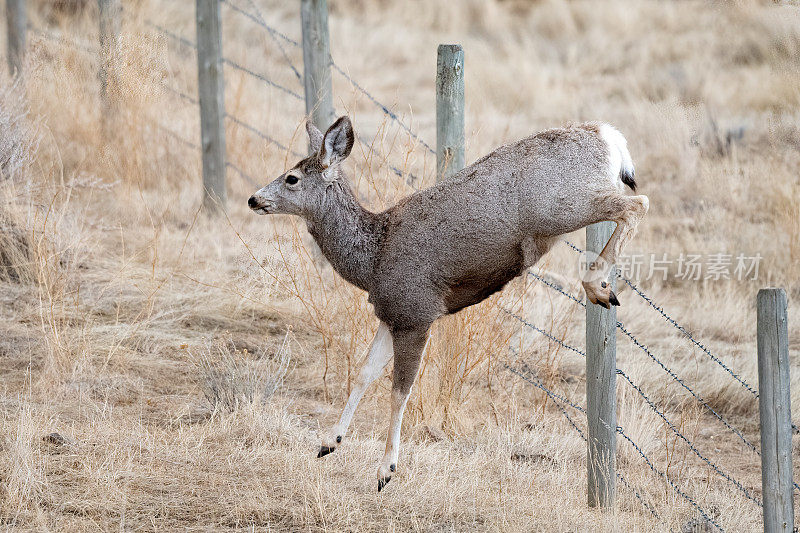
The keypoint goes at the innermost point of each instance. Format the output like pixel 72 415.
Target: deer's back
pixel 466 237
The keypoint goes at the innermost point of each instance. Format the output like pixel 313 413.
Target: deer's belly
pixel 475 286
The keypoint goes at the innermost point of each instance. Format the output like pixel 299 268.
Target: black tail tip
pixel 627 179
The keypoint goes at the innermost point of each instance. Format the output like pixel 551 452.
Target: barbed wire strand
pixel 172 35
pixel 410 181
pixel 553 396
pixel 664 367
pixel 272 35
pixel 385 109
pixel 688 442
pixel 650 404
pixel 677 326
pixel 259 19
pixel 235 120
pixel 262 23
pixel 178 137
pixel 180 94
pixel 411 177
pixel 225 60
pixel 666 478
pixel 196 146
pixel 556 288
pixel 683 384
pixel 382 107
pixel 261 77
pixel 242 173
pixel 61 39
pixel 644 456
pixel 259 133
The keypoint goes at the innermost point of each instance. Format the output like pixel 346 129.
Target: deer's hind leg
pixel 409 345
pixel 380 353
pixel 627 212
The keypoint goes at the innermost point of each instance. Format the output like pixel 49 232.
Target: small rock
pixel 60 441
pixel 697 525
pixel 540 458
pixel 432 434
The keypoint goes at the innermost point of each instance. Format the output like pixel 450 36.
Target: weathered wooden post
pixel 110 19
pixel 317 63
pixel 601 384
pixel 449 110
pixel 775 411
pixel 17 23
pixel 211 92
pixel 450 123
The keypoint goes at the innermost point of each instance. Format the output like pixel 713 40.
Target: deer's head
pixel 301 189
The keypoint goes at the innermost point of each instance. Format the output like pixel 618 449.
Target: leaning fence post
pixel 317 63
pixel 601 384
pixel 449 110
pixel 211 86
pixel 774 404
pixel 16 21
pixel 110 15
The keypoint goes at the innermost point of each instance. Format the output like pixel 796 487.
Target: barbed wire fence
pixel 523 372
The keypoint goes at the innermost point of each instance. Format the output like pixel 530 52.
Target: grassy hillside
pixel 163 369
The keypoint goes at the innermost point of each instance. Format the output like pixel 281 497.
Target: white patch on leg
pixel 380 353
pixel 399 401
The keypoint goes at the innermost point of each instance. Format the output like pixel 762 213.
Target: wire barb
pixel 527 376
pixel 652 406
pixel 664 367
pixel 677 326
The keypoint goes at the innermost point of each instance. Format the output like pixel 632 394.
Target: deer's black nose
pixel 252 202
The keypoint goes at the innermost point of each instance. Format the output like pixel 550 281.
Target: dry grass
pixel 153 339
pixel 230 377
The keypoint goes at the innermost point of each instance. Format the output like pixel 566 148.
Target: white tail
pixel 620 157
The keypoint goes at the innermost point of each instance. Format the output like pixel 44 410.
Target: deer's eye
pixel 291 179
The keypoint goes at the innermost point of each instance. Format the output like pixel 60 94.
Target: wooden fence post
pixel 110 19
pixel 601 385
pixel 774 404
pixel 110 14
pixel 211 92
pixel 449 110
pixel 17 22
pixel 317 63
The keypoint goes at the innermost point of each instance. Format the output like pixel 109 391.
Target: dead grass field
pixel 163 370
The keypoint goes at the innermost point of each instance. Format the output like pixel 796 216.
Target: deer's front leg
pixel 409 346
pixel 380 352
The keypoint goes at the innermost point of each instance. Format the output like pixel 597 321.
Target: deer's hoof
pixel 603 304
pixel 382 482
pixel 612 298
pixel 325 450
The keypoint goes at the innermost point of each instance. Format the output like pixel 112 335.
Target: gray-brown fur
pixel 454 244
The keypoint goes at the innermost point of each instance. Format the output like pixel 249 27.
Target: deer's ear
pixel 314 136
pixel 337 143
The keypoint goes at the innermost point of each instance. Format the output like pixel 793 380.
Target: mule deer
pixel 453 245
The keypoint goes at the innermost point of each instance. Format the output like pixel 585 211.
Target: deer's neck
pixel 347 234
